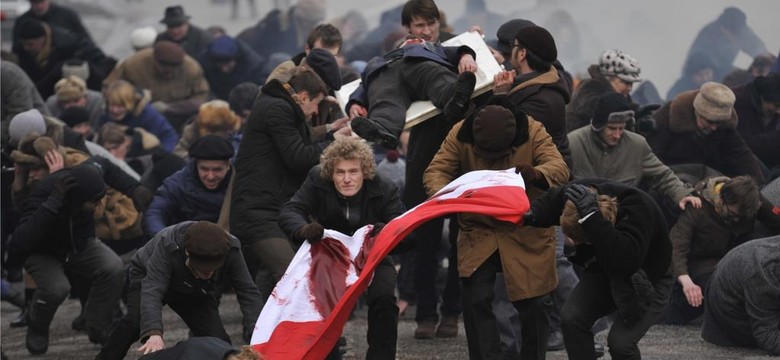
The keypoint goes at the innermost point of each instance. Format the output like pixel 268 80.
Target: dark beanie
pixel 75 115
pixel 768 87
pixel 506 33
pixel 31 29
pixel 539 41
pixel 326 66
pixel 207 245
pixel 168 52
pixel 494 129
pixel 90 185
pixel 613 104
pixel 223 48
pixel 211 147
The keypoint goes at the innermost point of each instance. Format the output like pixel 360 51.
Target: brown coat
pixel 527 253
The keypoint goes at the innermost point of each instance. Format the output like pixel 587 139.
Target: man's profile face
pixel 707 126
pixel 427 29
pixel 212 172
pixel 621 86
pixel 348 177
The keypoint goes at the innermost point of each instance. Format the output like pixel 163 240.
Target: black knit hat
pixel 207 245
pixel 506 34
pixel 326 66
pixel 539 41
pixel 31 29
pixel 768 87
pixel 75 115
pixel 211 147
pixel 90 185
pixel 611 108
pixel 494 129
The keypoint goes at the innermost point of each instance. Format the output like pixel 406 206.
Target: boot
pixel 426 329
pixel 40 318
pixel 461 94
pixel 372 131
pixel 448 327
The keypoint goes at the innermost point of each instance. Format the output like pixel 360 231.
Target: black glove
pixel 63 185
pixel 142 197
pixel 311 232
pixel 377 228
pixel 584 199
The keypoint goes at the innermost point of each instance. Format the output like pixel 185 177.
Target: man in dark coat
pixel 699 127
pixel 623 243
pixel 344 193
pixel 178 29
pixel 275 154
pixel 742 307
pixel 54 15
pixel 757 105
pixel 228 62
pixel 195 192
pixel 185 266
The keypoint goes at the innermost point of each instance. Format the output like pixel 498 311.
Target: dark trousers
pixel 679 311
pixel 591 300
pixel 480 322
pixel 267 260
pixel 97 264
pixel 201 314
pixel 402 82
pixel 382 313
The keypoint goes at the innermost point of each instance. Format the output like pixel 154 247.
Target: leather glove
pixel 531 175
pixel 584 199
pixel 142 197
pixel 311 232
pixel 63 185
pixel 377 228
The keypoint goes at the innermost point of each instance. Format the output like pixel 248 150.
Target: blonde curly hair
pixel 348 148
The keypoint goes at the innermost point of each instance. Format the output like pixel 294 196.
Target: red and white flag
pixel 306 312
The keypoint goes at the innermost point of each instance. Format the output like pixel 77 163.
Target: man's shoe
pixel 599 349
pixel 425 329
pixel 21 320
pixel 371 131
pixel 555 341
pixel 448 327
pixel 461 94
pixel 37 340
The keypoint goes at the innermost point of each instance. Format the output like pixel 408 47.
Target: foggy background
pixel 658 33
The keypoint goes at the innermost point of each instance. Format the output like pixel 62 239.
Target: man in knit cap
pixel 71 91
pixel 699 127
pixel 185 266
pixel 179 30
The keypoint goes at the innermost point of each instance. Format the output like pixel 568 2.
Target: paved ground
pixel 662 342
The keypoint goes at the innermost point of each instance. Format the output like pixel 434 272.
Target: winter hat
pixel 539 41
pixel 768 87
pixel 32 150
pixel 211 147
pixel 506 33
pixel 223 48
pixel 310 11
pixel 143 37
pixel 206 245
pixel 494 129
pixel 215 117
pixel 31 29
pixel 714 102
pixel 90 184
pixel 70 88
pixel 325 65
pixel 76 67
pixel 392 155
pixel 75 115
pixel 168 52
pixel 611 108
pixel 617 63
pixel 174 15
pixel 30 121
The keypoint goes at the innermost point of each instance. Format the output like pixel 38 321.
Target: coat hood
pixel 551 79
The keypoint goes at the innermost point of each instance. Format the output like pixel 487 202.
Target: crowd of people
pixel 200 164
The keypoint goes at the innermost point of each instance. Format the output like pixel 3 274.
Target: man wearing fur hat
pixel 178 29
pixel 699 127
pixel 72 91
pixel 607 149
pixel 758 107
pixel 195 192
pixel 615 72
pixel 495 139
pixel 185 266
pixel 623 243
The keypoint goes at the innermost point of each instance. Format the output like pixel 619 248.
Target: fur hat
pixel 539 41
pixel 30 121
pixel 32 150
pixel 207 245
pixel 143 37
pixel 211 147
pixel 494 130
pixel 611 108
pixel 617 63
pixel 506 34
pixel 714 102
pixel 168 52
pixel 76 67
pixel 215 117
pixel 70 88
pixel 326 66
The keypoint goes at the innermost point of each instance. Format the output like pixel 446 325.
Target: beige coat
pixel 527 253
